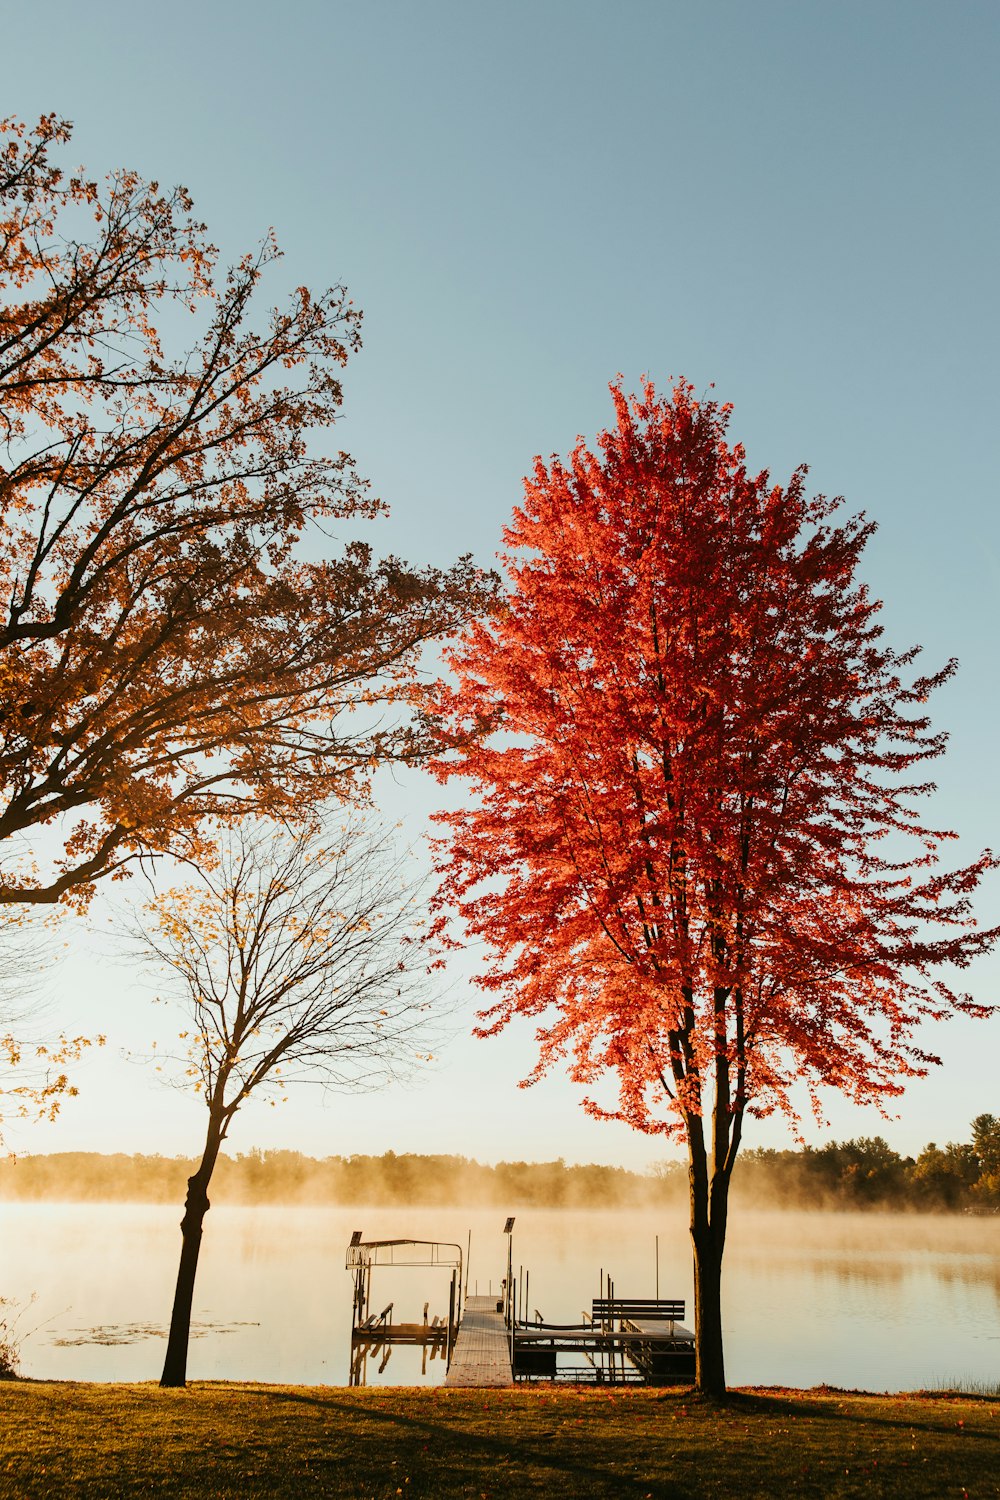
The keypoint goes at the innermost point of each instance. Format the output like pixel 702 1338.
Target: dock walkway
pixel 481 1356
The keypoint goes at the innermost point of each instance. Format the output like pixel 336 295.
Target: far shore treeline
pixel 858 1174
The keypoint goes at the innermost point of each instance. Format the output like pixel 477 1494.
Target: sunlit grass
pixel 232 1442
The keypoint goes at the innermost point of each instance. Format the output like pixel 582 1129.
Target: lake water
pixel 868 1301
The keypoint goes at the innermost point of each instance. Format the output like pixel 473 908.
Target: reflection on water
pixel 871 1301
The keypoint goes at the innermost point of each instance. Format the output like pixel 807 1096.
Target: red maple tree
pixel 695 847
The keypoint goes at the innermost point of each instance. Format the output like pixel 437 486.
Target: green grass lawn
pixel 241 1441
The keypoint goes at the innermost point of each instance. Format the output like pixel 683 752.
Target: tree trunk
pixel 710 1369
pixel 709 1197
pixel 709 1190
pixel 196 1206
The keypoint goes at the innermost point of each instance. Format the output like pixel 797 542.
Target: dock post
pixel 451 1322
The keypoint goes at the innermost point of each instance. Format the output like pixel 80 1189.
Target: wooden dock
pixel 621 1339
pixel 481 1356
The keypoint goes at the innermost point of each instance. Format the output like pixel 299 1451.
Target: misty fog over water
pixel 868 1301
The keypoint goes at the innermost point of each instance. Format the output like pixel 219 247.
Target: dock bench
pixel 611 1310
pixel 651 1330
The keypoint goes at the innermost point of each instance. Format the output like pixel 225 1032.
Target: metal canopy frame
pixel 363 1254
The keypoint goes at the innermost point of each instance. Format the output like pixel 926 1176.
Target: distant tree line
pixel 868 1173
pixel 291 1177
pixel 855 1174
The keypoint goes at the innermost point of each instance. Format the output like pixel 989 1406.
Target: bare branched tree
pixel 297 955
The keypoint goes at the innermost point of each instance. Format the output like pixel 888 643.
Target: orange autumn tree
pixel 170 652
pixel 34 1082
pixel 40 1083
pixel 694 847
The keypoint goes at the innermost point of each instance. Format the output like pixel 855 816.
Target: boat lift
pixel 375 1332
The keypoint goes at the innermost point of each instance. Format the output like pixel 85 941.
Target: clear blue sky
pixel 795 201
